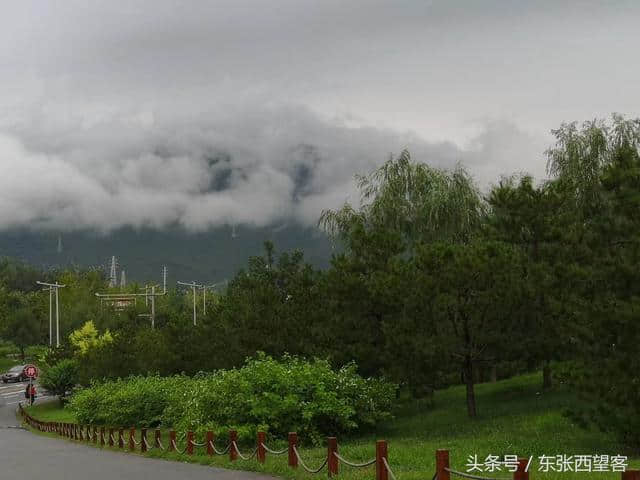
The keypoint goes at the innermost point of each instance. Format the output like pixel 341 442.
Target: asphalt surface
pixel 28 456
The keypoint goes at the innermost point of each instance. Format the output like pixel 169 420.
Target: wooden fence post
pixel 102 436
pixel 332 460
pixel 381 455
pixel 143 440
pixel 233 438
pixel 631 475
pixel 521 473
pixel 132 437
pixel 120 438
pixel 189 443
pixel 293 443
pixel 95 435
pixel 111 437
pixel 210 440
pixel 158 438
pixel 262 453
pixel 442 463
pixel 172 441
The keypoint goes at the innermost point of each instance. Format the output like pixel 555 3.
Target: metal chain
pixel 176 447
pixel 386 465
pixel 146 444
pixel 196 444
pixel 242 456
pixel 218 452
pixel 113 440
pixel 274 452
pixel 135 442
pixel 352 464
pixel 160 444
pixel 310 470
pixel 472 477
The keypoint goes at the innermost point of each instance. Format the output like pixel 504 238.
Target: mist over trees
pixel 434 283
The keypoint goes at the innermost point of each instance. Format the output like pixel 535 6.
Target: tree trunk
pixel 547 381
pixel 494 373
pixel 471 396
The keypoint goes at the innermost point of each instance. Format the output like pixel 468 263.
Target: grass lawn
pixel 514 418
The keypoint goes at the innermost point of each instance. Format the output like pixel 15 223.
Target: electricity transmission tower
pixel 123 298
pixel 53 287
pixel 113 280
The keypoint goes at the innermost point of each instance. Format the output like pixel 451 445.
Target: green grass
pixel 6 363
pixel 51 412
pixel 514 418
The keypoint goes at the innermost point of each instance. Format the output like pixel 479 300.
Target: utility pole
pixel 193 286
pixel 153 307
pixel 53 287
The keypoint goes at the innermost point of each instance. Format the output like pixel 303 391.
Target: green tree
pixel 60 378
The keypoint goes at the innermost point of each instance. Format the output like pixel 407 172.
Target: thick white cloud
pixel 156 112
pixel 252 165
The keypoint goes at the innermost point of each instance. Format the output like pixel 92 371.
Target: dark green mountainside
pixel 205 257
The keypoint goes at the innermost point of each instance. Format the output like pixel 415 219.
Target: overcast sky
pixel 256 112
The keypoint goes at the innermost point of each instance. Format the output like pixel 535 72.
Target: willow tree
pixel 418 202
pixel 403 206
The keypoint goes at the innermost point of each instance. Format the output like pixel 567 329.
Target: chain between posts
pixel 275 452
pixel 242 457
pixel 388 468
pixel 353 464
pixel 220 452
pixel 310 470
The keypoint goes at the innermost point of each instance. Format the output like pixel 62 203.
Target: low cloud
pixel 248 165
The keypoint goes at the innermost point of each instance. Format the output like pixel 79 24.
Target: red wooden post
pixel 120 438
pixel 332 462
pixel 521 473
pixel 233 452
pixel 102 436
pixel 293 443
pixel 189 443
pixel 172 441
pixel 262 453
pixel 111 437
pixel 95 435
pixel 631 475
pixel 158 438
pixel 442 463
pixel 77 432
pixel 210 440
pixel 381 453
pixel 132 437
pixel 143 440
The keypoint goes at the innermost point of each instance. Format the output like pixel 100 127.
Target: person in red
pixel 32 394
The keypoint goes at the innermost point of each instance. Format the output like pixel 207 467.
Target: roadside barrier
pixel 331 462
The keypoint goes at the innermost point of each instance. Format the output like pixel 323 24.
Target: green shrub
pixel 278 396
pixel 60 378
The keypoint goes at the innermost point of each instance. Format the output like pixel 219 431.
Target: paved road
pixel 27 456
